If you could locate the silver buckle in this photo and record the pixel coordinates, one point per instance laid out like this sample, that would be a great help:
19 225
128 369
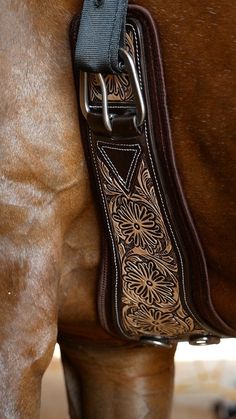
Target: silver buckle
129 65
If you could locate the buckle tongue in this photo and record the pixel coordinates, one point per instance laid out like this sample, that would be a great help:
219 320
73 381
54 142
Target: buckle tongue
129 66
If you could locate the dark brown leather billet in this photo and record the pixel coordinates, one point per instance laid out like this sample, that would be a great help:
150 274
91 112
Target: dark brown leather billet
154 282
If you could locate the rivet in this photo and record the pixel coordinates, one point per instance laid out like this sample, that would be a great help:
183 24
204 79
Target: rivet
203 340
98 3
156 341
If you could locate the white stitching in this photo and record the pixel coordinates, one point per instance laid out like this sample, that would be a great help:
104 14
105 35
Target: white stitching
133 164
110 232
158 187
162 202
161 199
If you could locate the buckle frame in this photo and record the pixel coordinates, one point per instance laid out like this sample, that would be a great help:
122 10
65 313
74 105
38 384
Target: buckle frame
129 66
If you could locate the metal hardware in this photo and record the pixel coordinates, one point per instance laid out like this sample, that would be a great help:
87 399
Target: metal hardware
105 112
156 341
202 340
84 101
84 98
134 80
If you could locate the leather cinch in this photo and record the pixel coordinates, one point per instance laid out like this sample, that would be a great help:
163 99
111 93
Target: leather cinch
153 285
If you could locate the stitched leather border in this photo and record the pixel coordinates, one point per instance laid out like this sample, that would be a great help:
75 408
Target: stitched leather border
162 168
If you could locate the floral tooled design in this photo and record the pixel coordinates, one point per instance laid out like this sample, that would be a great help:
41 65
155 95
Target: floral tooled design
147 263
153 321
137 223
148 283
151 303
118 86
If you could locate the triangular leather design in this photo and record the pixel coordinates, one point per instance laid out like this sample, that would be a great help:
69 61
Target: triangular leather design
122 160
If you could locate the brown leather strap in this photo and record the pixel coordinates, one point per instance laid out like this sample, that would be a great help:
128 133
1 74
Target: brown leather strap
154 266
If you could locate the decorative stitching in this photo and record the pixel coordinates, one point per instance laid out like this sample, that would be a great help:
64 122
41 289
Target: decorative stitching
136 148
153 168
158 186
111 236
159 193
148 264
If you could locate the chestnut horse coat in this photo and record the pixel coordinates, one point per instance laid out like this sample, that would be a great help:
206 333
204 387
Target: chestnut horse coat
49 235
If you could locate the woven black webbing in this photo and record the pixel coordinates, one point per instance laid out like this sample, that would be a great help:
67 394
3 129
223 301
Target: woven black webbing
101 34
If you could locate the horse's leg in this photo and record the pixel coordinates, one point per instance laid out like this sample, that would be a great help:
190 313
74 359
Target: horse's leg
105 378
105 382
28 309
38 177
73 386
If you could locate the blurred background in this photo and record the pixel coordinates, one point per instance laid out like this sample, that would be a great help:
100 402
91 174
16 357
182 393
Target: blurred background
205 377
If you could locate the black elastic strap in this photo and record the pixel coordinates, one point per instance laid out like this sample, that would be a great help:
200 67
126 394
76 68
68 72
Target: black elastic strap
101 34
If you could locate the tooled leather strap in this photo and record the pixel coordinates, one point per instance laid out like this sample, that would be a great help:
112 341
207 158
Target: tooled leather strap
152 258
100 35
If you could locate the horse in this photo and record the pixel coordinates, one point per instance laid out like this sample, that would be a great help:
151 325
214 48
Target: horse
50 234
